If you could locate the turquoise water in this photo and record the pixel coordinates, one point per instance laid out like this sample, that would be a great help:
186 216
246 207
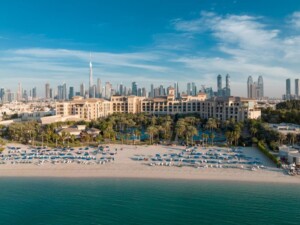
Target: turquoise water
117 201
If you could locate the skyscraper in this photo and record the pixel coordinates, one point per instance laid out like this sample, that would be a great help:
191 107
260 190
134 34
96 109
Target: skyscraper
177 92
34 94
194 89
19 93
156 92
10 96
219 84
288 89
297 87
134 88
260 87
82 90
162 91
47 91
125 90
152 91
144 92
25 96
2 94
227 88
250 87
139 92
99 89
188 89
64 91
108 88
93 91
51 93
60 92
121 89
91 77
71 93
255 89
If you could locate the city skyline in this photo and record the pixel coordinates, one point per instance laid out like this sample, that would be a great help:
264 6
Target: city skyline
65 91
191 42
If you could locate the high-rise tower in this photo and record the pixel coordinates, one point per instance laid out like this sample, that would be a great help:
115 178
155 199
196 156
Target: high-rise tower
288 88
91 77
82 90
47 91
19 93
227 88
99 88
260 87
219 84
297 87
134 88
250 87
188 89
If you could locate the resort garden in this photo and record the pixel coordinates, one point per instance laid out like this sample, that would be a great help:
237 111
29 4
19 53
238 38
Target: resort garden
150 129
129 129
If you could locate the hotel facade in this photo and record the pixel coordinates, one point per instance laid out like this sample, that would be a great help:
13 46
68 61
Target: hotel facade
222 108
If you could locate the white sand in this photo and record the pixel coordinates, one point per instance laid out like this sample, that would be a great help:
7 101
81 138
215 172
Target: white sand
125 167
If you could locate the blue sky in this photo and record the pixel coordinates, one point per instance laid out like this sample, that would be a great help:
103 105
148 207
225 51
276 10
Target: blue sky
157 41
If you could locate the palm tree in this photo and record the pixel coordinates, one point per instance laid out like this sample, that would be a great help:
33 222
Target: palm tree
282 137
229 137
151 131
180 128
291 137
211 124
72 138
137 134
56 138
226 124
166 128
212 136
203 138
127 135
236 136
206 138
191 120
153 121
253 131
190 131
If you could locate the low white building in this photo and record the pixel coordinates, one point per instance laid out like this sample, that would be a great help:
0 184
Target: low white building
286 128
70 131
284 151
294 158
59 118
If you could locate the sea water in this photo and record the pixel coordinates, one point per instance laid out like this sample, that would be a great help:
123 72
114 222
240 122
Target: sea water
34 201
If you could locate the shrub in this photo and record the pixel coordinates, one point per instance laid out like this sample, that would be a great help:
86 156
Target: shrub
263 149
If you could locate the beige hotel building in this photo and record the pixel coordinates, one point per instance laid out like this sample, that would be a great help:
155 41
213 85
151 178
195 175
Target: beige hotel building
237 108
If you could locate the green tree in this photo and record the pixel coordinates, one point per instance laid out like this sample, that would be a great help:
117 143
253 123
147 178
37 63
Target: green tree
282 138
211 124
152 131
212 137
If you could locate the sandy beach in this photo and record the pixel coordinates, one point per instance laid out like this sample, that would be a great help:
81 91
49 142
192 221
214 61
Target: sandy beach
125 167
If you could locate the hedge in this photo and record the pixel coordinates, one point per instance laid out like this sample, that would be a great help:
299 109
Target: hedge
263 149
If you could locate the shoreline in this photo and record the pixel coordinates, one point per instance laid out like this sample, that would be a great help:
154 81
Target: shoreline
184 174
125 168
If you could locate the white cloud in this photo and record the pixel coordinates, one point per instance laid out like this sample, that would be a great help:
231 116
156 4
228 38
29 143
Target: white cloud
242 45
72 66
245 45
294 20
135 60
